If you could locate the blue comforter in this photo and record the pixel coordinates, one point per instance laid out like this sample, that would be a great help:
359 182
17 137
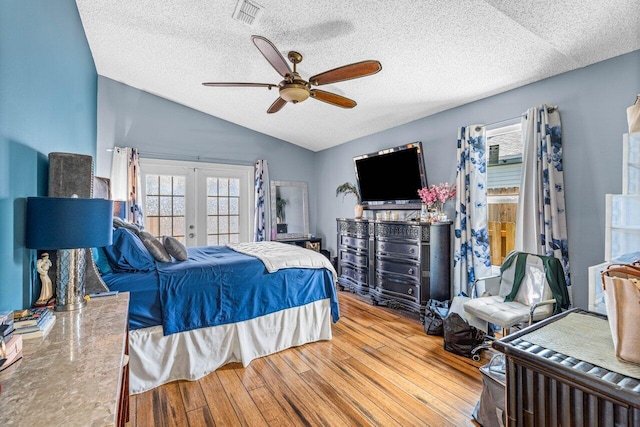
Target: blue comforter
217 285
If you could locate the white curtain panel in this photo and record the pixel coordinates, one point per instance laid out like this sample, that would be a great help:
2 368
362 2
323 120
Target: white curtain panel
261 211
541 224
119 174
471 244
135 215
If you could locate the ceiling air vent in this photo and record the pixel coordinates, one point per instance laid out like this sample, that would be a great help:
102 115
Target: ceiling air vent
248 12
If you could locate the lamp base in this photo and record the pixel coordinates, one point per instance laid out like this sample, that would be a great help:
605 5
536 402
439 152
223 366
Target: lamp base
70 307
70 280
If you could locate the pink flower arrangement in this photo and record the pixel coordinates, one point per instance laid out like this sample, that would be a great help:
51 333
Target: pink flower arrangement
437 194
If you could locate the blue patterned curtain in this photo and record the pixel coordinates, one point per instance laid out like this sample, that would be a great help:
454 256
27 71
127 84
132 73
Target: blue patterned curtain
471 245
541 225
260 232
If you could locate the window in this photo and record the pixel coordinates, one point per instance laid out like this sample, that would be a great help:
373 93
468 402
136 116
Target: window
504 168
223 214
198 203
164 206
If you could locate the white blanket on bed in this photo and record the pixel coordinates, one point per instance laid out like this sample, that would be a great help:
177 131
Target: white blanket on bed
277 255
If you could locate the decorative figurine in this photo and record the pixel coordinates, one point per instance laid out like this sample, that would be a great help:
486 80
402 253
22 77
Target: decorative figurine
43 265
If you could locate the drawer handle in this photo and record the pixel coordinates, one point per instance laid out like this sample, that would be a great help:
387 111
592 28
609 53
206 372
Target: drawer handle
381 246
410 291
411 271
412 250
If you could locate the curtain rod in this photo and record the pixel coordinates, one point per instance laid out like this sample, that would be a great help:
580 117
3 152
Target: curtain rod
166 156
502 121
550 109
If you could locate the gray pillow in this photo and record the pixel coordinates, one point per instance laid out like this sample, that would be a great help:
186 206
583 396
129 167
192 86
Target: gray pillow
120 223
175 248
154 247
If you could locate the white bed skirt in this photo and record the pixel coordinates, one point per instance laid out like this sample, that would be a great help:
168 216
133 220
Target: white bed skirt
156 359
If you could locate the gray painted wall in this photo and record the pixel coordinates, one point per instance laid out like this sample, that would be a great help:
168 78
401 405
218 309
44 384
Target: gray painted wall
159 128
592 103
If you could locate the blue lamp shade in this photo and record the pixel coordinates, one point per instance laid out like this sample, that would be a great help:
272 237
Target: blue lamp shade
68 223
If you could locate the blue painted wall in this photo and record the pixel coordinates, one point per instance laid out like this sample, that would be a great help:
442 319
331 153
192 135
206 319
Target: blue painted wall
592 102
128 117
48 90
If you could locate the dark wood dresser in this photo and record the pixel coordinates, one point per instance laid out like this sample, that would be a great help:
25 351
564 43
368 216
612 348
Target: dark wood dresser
400 264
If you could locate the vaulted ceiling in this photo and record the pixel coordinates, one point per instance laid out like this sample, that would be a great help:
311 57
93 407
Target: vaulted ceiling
435 54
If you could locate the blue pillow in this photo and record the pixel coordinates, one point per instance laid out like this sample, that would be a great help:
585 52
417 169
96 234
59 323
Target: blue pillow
100 258
128 253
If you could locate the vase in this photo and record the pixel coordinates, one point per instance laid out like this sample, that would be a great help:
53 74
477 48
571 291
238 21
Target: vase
424 212
357 211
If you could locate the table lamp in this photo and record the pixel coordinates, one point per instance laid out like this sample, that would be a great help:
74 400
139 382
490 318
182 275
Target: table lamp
69 225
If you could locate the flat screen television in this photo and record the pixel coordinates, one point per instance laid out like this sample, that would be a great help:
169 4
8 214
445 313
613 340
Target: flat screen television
391 178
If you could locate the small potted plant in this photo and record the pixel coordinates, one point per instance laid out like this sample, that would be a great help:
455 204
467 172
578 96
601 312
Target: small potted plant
349 188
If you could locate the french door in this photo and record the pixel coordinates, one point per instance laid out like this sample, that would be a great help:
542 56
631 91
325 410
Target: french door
201 204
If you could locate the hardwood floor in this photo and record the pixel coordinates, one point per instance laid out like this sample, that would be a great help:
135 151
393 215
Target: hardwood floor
380 368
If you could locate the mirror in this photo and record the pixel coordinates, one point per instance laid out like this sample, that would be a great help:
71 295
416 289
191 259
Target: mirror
289 210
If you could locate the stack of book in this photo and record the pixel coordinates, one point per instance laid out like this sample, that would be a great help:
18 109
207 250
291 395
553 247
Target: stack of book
33 322
10 343
6 325
12 352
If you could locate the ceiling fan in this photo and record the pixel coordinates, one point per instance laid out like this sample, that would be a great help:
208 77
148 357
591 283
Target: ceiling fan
293 88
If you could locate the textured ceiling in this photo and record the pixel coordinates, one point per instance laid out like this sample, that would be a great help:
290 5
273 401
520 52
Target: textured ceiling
435 54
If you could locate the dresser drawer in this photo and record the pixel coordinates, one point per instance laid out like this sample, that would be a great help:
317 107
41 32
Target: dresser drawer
407 290
354 274
355 242
411 271
404 249
354 258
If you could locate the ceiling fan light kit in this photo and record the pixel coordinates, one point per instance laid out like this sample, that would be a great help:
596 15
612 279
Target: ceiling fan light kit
293 88
294 92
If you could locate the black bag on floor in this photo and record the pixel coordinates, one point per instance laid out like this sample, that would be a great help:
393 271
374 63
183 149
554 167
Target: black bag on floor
434 313
459 336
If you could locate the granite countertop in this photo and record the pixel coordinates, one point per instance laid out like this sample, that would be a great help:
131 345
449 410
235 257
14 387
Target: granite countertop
71 377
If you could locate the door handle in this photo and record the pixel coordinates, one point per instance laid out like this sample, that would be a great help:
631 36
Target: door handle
192 235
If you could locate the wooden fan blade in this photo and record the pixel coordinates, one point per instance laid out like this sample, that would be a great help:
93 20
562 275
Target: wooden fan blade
276 106
271 54
346 72
332 98
231 84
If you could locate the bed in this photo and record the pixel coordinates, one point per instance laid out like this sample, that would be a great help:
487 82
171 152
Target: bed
223 304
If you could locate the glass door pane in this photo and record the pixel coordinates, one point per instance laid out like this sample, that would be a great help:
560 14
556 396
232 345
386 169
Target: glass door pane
164 205
223 215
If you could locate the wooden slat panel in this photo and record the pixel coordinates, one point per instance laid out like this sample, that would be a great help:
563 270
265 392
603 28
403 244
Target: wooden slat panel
510 237
495 243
